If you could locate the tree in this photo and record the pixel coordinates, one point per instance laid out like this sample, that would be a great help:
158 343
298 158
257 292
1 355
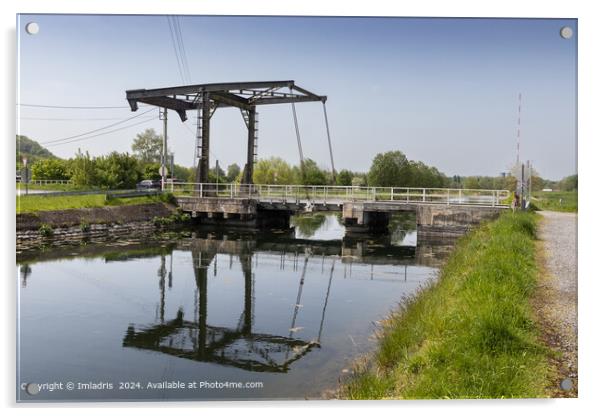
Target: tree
358 181
233 171
148 146
570 183
389 169
312 174
49 169
118 171
82 169
151 171
273 171
213 177
472 182
344 178
184 174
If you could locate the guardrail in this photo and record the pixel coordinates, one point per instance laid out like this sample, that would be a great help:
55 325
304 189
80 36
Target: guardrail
339 194
110 194
45 182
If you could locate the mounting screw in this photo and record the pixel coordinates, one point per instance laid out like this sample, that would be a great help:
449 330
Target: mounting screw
32 28
566 32
566 384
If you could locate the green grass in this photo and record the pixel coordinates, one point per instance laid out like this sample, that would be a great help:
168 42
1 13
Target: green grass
472 333
556 201
36 203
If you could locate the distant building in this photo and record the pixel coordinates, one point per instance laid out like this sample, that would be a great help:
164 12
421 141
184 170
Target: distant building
547 190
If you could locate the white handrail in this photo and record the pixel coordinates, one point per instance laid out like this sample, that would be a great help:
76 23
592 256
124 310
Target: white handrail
340 194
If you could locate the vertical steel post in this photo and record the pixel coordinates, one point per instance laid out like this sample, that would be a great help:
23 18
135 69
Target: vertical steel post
522 186
248 177
164 152
203 166
172 169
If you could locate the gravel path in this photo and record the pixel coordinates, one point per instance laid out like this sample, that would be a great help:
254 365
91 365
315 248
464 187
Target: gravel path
558 300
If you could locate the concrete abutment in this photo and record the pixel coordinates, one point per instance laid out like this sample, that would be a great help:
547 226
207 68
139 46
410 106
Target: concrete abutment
433 221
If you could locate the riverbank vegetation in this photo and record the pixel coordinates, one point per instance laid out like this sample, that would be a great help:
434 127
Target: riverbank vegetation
124 170
564 201
472 333
41 202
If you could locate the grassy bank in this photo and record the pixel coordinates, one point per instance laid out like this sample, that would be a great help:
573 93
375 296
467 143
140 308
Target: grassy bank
471 334
36 203
53 187
556 201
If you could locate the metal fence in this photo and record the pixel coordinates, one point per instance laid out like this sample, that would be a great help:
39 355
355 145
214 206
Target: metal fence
340 194
46 182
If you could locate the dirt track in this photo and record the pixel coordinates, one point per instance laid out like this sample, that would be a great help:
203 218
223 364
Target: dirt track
557 296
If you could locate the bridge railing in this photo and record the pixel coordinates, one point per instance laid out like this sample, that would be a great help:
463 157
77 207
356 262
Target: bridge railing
339 194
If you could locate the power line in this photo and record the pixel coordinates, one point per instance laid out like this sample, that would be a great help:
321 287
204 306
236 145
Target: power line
183 55
71 119
72 107
177 40
173 44
98 129
101 134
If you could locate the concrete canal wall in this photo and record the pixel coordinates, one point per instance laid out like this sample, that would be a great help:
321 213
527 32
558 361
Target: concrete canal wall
66 226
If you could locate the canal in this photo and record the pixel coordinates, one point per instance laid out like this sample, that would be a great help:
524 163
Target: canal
211 314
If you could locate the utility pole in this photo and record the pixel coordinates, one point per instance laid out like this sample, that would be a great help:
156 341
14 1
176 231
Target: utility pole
164 153
171 167
522 186
25 176
217 175
530 178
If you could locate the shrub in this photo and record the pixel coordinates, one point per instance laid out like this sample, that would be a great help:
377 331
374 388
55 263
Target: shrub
46 230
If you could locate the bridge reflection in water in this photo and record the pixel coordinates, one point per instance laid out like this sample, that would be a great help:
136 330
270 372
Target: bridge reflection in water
240 346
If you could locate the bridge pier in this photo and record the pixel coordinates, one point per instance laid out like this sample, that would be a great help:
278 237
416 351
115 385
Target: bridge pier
235 212
434 222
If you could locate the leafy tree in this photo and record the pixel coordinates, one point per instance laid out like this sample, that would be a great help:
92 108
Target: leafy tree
147 146
151 171
389 169
359 180
570 183
82 169
456 181
50 169
344 178
312 174
472 182
233 171
273 171
213 176
118 171
184 174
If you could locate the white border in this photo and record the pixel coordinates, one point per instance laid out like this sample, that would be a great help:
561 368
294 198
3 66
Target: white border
589 151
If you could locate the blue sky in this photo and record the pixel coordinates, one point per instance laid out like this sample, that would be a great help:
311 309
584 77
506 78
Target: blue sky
443 91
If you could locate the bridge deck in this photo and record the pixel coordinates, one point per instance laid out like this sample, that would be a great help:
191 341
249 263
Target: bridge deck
333 197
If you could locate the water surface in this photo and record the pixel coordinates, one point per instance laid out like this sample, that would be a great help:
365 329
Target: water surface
288 311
